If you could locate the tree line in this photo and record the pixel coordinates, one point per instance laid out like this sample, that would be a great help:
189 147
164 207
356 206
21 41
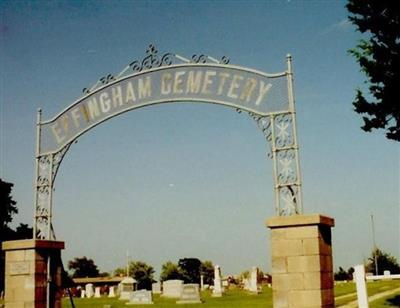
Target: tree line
187 269
378 259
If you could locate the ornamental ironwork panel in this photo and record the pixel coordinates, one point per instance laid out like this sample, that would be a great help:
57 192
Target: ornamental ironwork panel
267 98
213 83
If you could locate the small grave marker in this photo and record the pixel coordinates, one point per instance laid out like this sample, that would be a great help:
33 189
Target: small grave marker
141 297
190 294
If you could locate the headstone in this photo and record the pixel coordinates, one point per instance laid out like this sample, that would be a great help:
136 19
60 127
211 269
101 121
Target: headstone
89 290
202 282
217 291
83 293
97 292
386 273
253 280
246 284
172 288
362 295
126 288
111 292
156 288
190 294
141 297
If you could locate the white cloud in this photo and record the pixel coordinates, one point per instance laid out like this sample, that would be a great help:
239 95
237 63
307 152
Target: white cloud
341 25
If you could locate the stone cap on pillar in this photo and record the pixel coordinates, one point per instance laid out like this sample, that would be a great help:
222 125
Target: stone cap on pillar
299 220
32 244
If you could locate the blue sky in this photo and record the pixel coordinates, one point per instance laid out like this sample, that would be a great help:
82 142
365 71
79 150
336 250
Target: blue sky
192 180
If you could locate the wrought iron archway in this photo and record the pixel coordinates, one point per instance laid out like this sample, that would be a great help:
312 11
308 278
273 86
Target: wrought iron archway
267 98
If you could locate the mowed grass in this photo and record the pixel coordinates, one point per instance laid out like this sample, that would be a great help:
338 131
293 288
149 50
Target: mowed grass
239 298
373 287
232 298
387 301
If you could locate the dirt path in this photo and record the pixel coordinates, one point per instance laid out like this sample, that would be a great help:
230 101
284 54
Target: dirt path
354 304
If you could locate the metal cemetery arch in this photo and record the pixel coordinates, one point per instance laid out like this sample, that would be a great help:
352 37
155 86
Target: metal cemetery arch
267 98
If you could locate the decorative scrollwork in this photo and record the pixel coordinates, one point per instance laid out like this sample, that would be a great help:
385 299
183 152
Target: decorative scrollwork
107 79
57 159
41 227
44 162
288 196
42 181
224 60
264 123
199 58
152 60
286 167
43 194
204 59
102 81
41 211
85 91
284 130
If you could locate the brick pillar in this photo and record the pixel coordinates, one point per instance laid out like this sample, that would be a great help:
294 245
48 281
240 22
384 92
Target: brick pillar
26 273
302 271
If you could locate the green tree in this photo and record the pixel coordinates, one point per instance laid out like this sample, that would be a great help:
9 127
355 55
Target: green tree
23 231
190 268
379 59
341 274
7 210
207 270
170 270
83 267
386 262
143 273
120 271
7 207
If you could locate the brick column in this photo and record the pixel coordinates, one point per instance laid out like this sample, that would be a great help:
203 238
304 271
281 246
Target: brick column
26 273
302 271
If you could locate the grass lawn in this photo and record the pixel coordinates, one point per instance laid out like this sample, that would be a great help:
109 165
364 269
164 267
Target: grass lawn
238 298
232 298
373 288
388 301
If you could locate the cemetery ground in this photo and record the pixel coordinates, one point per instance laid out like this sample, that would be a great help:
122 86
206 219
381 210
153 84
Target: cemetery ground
345 293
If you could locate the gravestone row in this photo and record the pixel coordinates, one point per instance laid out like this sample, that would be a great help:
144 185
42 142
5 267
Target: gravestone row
185 293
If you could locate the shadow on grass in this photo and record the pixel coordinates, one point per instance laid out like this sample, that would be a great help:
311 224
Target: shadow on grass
394 301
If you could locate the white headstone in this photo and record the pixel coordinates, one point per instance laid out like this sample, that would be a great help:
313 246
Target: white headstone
83 293
172 288
141 297
217 291
359 276
111 292
156 288
253 280
246 284
190 294
126 288
89 290
386 273
202 282
97 292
